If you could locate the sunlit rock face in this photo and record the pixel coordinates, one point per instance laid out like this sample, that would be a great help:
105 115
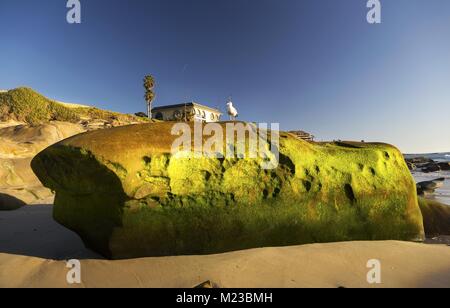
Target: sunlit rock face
19 143
127 196
30 122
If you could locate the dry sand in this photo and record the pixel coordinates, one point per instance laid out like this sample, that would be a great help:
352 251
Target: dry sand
29 240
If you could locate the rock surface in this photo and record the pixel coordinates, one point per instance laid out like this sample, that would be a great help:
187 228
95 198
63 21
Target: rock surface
444 166
426 165
18 145
126 196
431 167
436 217
429 186
420 160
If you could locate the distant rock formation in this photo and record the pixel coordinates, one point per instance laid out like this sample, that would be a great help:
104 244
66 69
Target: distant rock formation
426 165
124 193
302 135
19 144
431 167
444 166
429 186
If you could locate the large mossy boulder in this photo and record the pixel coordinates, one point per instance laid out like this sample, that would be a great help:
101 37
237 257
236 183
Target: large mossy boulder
124 193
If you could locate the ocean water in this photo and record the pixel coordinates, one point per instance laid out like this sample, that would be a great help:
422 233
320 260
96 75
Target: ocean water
437 157
443 194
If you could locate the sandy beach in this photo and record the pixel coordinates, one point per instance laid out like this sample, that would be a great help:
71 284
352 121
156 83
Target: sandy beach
260 145
33 250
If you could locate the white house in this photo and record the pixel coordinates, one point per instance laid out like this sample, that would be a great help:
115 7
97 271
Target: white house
187 112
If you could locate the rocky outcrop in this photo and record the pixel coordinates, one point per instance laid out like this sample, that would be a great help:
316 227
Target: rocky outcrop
429 186
426 165
419 160
444 166
431 167
302 135
19 144
436 217
411 166
124 193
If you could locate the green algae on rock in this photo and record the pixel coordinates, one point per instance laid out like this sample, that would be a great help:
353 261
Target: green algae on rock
124 193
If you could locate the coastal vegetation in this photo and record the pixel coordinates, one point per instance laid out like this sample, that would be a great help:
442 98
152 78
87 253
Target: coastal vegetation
27 106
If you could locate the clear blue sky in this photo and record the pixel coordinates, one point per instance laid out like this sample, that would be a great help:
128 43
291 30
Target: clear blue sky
315 65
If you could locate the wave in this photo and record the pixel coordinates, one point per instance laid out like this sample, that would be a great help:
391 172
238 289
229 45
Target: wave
438 157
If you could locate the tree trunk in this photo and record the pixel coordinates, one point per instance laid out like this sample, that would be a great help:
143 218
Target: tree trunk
149 110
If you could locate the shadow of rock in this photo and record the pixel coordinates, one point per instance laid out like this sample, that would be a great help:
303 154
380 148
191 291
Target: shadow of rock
10 203
31 231
435 279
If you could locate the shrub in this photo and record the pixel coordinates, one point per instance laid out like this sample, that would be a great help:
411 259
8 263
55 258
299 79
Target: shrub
26 105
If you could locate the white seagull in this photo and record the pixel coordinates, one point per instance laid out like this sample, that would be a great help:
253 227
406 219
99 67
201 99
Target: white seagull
232 112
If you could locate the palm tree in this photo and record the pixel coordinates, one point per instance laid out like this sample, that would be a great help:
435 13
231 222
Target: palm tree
149 84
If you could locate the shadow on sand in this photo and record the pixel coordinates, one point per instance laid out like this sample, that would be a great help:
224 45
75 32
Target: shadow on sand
10 203
31 231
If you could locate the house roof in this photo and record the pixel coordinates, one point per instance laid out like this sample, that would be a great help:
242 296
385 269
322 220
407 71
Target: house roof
190 104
